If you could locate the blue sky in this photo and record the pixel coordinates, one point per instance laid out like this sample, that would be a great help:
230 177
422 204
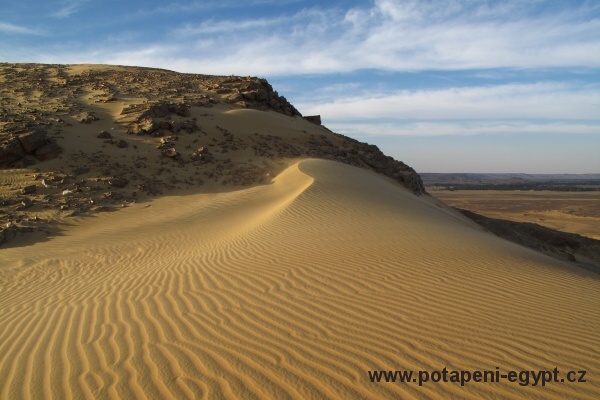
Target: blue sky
445 86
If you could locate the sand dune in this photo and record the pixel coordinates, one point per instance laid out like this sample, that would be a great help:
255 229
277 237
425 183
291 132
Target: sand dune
289 290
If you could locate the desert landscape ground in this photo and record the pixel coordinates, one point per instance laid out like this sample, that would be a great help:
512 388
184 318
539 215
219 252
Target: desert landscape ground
575 212
176 236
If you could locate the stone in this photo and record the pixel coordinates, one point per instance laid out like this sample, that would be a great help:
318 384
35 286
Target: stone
187 125
88 118
181 109
170 153
159 110
11 151
32 141
168 139
26 202
202 154
148 126
29 189
118 181
121 144
104 135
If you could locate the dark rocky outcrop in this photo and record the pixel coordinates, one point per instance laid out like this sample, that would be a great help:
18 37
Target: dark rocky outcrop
352 152
164 109
315 119
255 93
11 231
32 141
562 245
35 143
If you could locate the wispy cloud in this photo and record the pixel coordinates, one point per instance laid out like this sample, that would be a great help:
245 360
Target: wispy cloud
384 35
510 101
212 27
460 128
407 36
68 8
16 29
544 108
192 6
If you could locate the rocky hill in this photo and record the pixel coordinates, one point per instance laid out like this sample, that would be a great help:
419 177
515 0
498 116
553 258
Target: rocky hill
83 138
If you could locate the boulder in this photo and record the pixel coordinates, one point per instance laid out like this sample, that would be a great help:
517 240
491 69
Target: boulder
121 144
118 181
36 143
26 202
181 109
29 189
159 110
170 153
11 151
148 126
88 118
104 135
187 125
32 141
202 154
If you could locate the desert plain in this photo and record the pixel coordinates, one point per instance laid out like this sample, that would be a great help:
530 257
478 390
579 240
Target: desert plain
213 243
574 212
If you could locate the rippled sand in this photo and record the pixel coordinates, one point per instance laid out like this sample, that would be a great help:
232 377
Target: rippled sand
290 290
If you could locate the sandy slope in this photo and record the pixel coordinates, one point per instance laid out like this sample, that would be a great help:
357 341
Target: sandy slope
289 290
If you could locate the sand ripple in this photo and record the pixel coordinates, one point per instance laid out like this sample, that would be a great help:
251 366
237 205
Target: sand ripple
291 290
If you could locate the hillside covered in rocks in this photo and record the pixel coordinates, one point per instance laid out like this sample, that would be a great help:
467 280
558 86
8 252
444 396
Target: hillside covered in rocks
86 138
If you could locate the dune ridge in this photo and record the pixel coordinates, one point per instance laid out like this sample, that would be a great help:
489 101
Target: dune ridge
83 139
289 290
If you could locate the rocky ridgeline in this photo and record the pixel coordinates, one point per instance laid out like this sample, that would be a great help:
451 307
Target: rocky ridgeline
43 104
345 150
254 93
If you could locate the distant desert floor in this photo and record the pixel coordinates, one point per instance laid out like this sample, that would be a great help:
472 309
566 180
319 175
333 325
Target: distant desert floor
294 289
574 212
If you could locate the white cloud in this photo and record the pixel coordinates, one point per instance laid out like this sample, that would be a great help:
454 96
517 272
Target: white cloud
459 128
212 27
16 29
405 36
204 5
509 101
68 8
387 35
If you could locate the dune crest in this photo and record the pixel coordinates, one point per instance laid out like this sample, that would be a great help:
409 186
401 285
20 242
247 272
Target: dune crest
293 289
